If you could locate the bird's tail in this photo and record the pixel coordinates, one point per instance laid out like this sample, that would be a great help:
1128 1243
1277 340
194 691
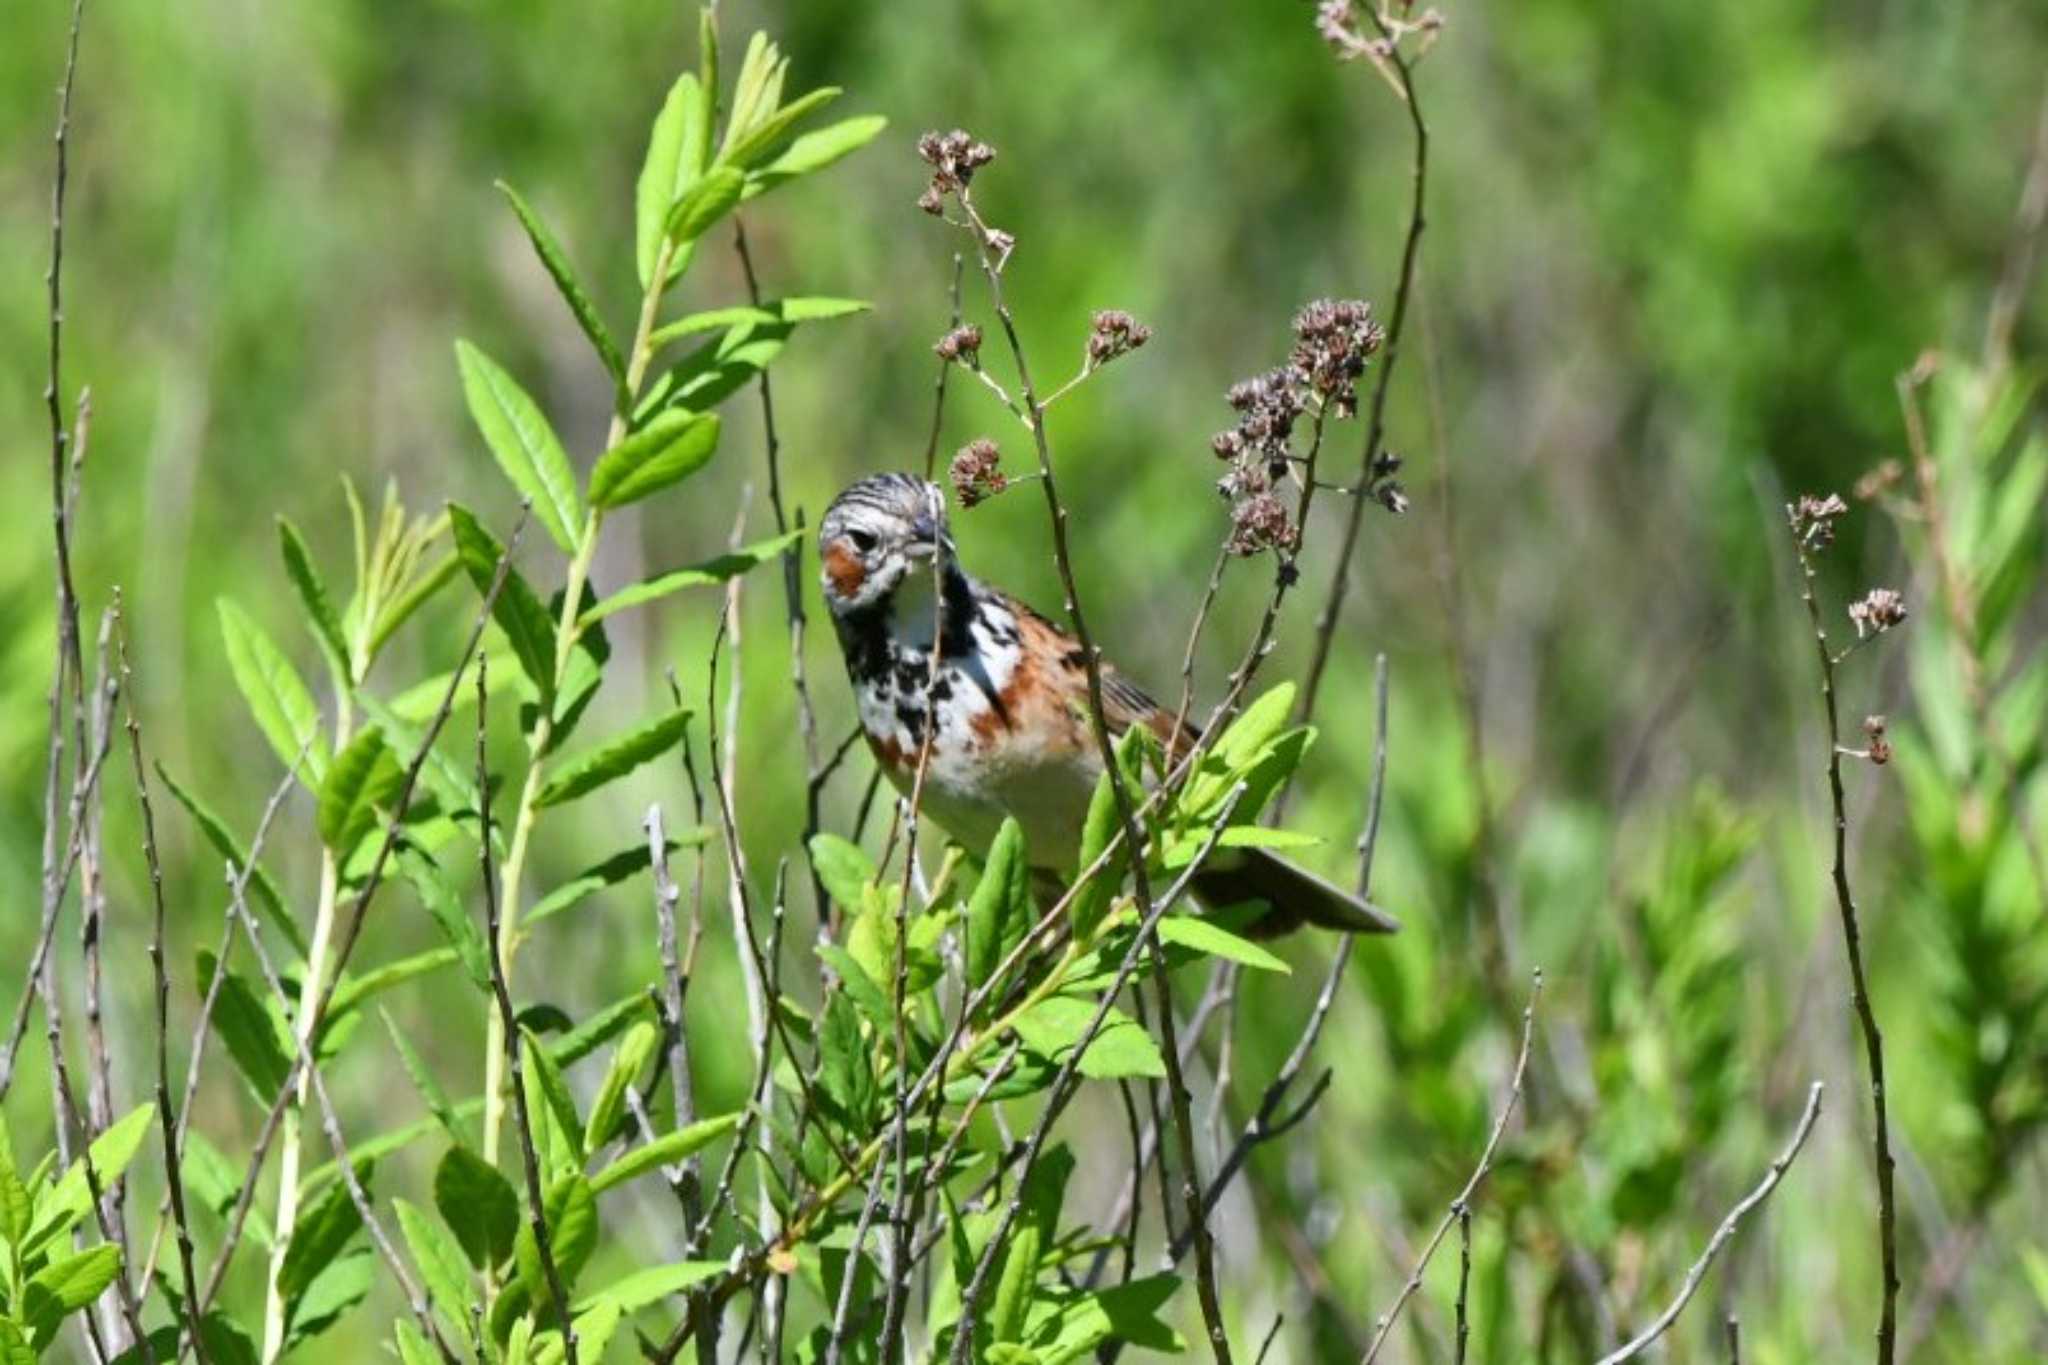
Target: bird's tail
1295 896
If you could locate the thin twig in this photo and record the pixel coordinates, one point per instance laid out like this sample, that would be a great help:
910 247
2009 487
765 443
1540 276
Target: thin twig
1852 941
1463 1202
536 1196
1722 1234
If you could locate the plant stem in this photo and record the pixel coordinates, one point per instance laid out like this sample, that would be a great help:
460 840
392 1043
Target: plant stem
306 1013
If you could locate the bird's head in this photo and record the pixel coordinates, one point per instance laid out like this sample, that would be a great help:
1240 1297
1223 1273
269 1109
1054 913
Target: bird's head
875 534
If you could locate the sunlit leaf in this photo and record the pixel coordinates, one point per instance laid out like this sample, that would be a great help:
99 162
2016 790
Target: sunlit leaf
673 445
523 443
708 574
665 1150
277 697
588 772
564 275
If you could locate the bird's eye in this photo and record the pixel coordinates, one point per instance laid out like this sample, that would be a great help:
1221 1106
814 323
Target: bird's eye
863 541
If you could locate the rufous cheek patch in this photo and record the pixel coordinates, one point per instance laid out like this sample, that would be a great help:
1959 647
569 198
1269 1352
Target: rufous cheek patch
843 569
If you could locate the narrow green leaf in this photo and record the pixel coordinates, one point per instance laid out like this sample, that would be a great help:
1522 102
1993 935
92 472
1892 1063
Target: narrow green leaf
665 1150
215 1183
1255 725
65 1286
356 989
564 275
478 1205
706 200
277 698
708 574
523 444
323 1231
672 446
442 1266
1103 823
586 773
542 1074
675 157
610 1102
752 96
627 862
449 916
416 595
362 776
268 898
846 1069
572 1235
854 979
1120 1048
339 1286
772 133
645 1288
1000 910
814 151
519 612
598 1029
771 313
1191 931
319 607
255 1039
594 1330
422 1077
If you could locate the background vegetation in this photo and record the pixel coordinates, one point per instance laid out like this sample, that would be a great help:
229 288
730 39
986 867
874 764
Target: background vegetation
1677 256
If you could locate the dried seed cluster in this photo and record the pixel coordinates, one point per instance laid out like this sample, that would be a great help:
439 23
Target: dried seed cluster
1877 611
1334 339
1114 333
974 473
1813 519
954 158
963 344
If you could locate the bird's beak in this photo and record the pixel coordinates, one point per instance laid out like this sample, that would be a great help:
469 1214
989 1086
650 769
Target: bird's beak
926 539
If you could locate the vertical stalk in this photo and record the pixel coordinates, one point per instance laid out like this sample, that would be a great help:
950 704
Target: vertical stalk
310 989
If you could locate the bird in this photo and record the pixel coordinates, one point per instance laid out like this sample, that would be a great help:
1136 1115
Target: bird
1008 704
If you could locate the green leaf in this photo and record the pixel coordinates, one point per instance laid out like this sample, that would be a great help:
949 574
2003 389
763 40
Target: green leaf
706 200
814 151
1255 726
627 862
518 610
1191 931
216 1183
1182 848
1127 1312
771 133
665 1150
846 1069
564 275
844 867
716 370
1103 824
757 89
417 593
257 1042
523 443
319 607
268 898
586 773
70 1198
770 313
672 446
344 1283
1120 1048
354 991
610 1102
594 1330
323 1231
559 1106
15 1348
17 1210
1000 911
277 698
598 1029
675 157
572 1235
1013 1285
422 1077
645 1288
708 574
478 1205
443 1269
362 777
448 914
854 979
63 1287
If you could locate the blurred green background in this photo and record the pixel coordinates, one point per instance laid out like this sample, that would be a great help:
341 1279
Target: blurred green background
1676 255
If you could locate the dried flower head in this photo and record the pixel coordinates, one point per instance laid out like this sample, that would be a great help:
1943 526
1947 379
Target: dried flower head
1877 611
1391 496
963 343
1259 523
975 475
1337 26
1333 338
1813 519
1114 333
954 158
1877 748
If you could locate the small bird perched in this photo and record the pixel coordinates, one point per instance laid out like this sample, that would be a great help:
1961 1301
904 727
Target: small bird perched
1009 704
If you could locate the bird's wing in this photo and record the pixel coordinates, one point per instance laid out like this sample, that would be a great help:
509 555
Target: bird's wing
1124 703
